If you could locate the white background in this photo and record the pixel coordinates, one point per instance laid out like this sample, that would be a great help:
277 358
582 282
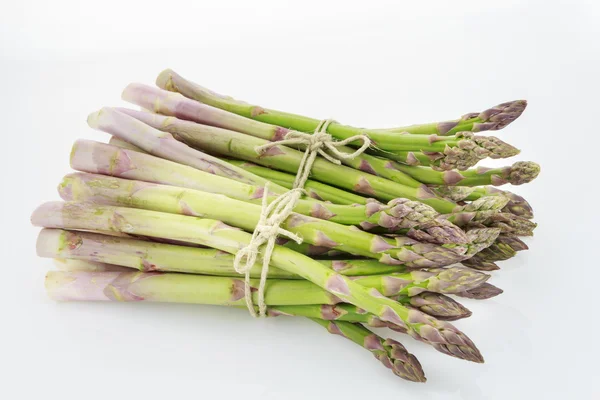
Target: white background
367 63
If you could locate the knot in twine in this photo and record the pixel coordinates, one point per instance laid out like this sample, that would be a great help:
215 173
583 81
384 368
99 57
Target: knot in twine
273 215
266 232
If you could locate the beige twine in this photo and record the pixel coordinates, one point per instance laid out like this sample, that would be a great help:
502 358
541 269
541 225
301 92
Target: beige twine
274 214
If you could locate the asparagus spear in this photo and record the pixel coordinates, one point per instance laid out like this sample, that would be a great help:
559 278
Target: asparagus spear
114 191
435 304
152 256
519 173
492 119
464 143
128 253
441 335
399 215
241 146
391 353
450 281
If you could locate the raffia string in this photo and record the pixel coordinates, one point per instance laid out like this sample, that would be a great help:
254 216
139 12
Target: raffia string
273 215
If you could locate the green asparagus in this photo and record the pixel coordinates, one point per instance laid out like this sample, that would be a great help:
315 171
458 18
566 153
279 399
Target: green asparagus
81 216
492 119
115 191
468 146
398 215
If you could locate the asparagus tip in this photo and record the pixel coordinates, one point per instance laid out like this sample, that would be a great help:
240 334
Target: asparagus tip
500 116
482 292
480 264
440 306
494 147
402 363
482 238
455 279
523 172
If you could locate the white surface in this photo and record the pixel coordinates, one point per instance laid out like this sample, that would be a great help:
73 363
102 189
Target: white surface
366 63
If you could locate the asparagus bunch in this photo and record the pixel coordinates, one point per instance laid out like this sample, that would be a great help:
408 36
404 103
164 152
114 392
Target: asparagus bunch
160 213
443 336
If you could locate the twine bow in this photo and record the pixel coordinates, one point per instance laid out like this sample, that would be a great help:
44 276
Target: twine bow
273 215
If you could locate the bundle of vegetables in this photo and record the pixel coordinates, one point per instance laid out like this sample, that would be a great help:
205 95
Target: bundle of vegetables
159 213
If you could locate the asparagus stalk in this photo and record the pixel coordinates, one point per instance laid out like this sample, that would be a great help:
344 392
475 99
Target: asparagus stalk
441 335
492 119
100 189
519 173
435 304
464 143
391 353
399 215
451 281
241 146
144 255
128 253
